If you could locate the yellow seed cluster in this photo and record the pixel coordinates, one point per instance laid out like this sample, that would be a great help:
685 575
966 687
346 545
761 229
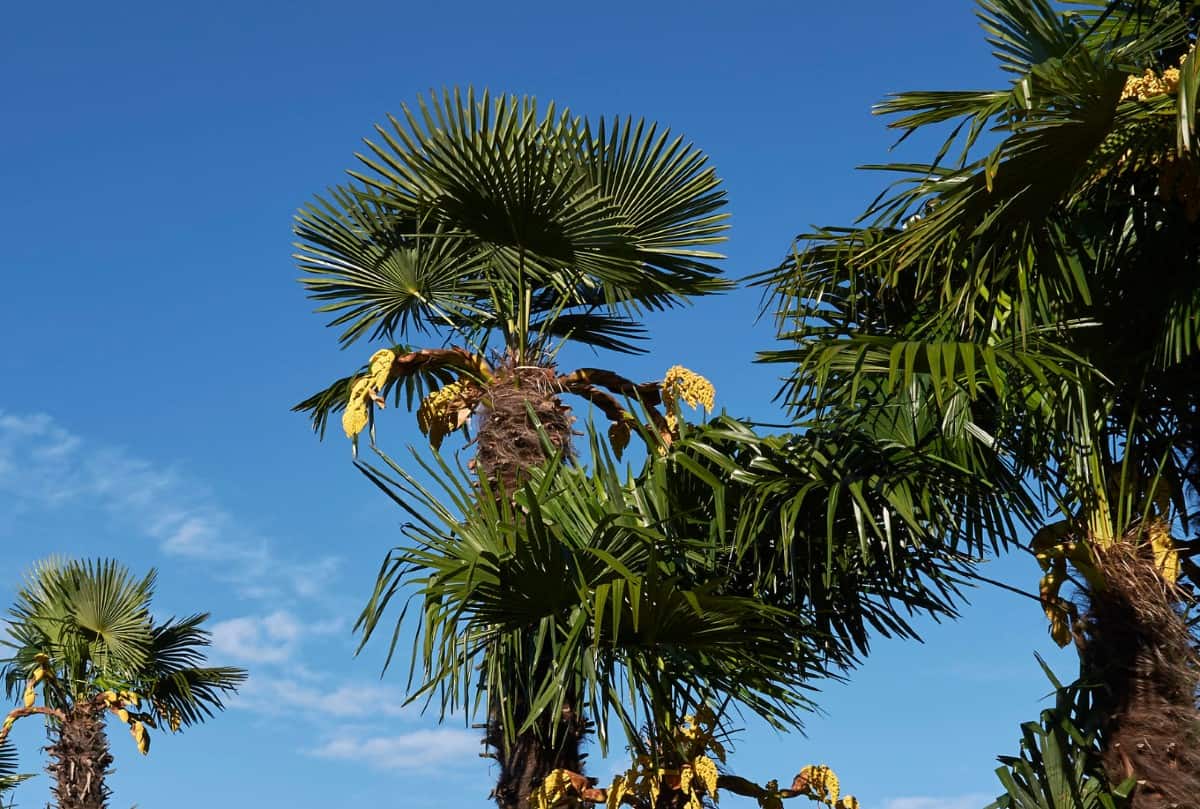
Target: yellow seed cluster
444 411
365 390
380 367
697 775
141 737
555 790
819 782
689 386
174 718
357 411
1054 607
618 435
42 672
1150 84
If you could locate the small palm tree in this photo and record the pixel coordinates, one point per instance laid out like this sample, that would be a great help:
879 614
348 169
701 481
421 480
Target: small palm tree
83 635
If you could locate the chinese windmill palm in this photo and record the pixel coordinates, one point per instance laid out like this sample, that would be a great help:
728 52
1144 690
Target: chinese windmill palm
85 647
1038 280
500 232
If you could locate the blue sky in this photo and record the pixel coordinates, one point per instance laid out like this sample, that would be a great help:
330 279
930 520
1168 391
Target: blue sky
154 338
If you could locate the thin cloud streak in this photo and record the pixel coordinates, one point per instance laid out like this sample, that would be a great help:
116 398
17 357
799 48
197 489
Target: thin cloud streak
974 800
44 465
406 751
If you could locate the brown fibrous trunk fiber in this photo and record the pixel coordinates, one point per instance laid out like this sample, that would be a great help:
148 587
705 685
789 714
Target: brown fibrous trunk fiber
79 758
1137 647
520 399
522 424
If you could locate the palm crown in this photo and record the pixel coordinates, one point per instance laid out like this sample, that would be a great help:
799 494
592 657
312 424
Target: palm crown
478 218
82 632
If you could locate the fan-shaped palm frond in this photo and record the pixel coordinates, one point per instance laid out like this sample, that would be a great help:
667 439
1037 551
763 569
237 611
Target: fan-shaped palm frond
181 689
467 199
1046 287
572 591
735 567
480 216
9 777
84 616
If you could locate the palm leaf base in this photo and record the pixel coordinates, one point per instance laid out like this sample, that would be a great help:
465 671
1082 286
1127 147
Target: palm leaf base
79 758
1136 644
521 410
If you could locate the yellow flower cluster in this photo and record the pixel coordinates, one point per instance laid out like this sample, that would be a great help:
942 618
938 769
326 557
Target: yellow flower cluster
557 789
365 390
174 717
444 411
116 701
819 782
691 783
680 383
697 775
1166 555
1151 84
688 386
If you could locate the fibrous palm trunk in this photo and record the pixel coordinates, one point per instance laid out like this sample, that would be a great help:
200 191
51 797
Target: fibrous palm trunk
1138 649
522 422
520 400
79 758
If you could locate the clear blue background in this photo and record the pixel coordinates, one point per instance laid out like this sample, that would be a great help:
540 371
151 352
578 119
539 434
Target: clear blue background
153 338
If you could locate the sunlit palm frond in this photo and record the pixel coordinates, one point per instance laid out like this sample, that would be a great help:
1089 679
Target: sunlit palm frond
85 616
670 202
572 591
478 213
180 688
734 567
92 622
382 273
9 777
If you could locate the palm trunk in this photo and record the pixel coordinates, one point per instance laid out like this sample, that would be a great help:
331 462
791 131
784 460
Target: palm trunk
521 413
79 758
508 442
1138 647
528 759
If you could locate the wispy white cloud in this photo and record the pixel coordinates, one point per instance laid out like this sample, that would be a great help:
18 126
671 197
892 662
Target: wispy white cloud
271 638
405 751
973 800
42 464
313 697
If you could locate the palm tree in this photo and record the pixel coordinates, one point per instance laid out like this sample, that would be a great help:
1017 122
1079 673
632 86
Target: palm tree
83 634
503 232
1042 295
